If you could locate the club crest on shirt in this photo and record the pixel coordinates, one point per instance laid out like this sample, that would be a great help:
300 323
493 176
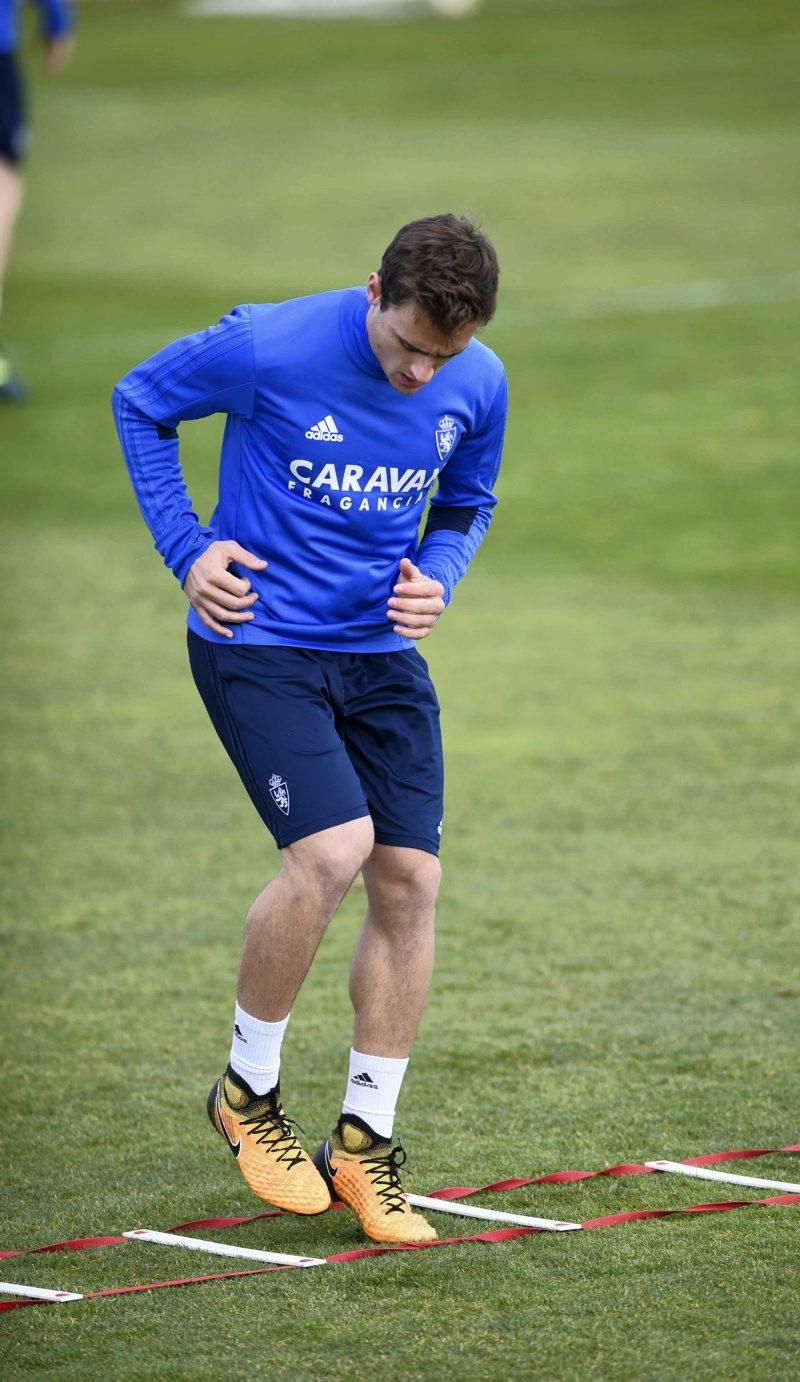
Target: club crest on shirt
446 434
279 792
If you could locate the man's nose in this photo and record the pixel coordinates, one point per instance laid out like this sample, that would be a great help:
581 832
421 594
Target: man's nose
422 369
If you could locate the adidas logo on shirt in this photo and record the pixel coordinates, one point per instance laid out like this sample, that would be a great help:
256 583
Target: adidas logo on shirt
326 430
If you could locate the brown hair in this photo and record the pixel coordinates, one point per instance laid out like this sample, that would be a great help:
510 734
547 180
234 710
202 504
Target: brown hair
446 266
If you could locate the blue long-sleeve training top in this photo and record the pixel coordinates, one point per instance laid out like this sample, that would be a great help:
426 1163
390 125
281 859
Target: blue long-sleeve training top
325 468
57 20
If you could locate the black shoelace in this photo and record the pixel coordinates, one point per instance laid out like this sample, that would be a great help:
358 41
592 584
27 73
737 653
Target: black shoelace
385 1173
273 1128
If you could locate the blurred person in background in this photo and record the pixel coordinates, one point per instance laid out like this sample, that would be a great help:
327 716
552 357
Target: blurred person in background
344 409
57 22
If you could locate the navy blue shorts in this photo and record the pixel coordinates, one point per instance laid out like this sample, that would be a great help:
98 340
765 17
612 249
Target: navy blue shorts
323 738
13 130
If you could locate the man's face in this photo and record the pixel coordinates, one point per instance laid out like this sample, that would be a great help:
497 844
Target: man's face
408 345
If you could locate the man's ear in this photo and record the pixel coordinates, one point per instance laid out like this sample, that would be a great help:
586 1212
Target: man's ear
374 289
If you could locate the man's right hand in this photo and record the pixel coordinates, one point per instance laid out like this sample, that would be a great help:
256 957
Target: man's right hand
218 596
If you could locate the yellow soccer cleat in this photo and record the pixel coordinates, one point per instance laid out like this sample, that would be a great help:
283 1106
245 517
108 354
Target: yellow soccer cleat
269 1155
364 1173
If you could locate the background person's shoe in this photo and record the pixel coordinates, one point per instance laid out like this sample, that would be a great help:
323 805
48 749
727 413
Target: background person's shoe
364 1173
12 390
270 1158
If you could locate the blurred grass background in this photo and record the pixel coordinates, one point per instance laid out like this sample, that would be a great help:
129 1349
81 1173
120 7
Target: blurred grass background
618 971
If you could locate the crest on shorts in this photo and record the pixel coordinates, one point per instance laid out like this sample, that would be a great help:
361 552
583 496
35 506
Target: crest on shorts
279 792
446 434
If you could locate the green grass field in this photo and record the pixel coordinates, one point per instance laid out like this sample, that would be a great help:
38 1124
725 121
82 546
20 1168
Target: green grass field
618 973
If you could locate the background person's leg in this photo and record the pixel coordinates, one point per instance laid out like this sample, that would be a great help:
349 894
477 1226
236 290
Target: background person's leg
10 203
13 138
10 206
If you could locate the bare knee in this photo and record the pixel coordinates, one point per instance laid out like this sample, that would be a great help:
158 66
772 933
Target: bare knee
329 861
403 878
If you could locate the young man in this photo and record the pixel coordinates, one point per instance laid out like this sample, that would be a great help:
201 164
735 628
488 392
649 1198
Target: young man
56 29
308 591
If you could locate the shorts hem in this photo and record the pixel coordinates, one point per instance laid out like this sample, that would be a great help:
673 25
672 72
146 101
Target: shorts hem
301 832
383 837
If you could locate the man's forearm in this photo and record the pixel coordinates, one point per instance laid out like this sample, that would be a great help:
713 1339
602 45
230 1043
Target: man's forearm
151 455
451 539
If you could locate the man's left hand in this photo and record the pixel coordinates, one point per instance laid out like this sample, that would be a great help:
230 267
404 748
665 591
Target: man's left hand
417 602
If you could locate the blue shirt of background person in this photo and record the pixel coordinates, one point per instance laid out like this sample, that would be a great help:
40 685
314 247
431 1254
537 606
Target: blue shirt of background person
56 16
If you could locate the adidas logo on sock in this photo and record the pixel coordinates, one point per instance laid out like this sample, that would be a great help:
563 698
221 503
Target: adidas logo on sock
326 430
364 1081
237 1031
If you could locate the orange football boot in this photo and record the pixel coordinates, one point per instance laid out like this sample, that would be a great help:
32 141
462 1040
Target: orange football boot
364 1173
269 1155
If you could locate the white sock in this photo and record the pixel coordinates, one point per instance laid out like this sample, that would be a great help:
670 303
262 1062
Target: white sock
256 1050
373 1086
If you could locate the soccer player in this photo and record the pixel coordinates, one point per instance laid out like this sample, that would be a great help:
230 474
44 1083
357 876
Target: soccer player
56 22
309 590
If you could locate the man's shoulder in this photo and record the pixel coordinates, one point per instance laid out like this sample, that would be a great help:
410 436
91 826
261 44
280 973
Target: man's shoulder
482 361
478 376
296 327
275 314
